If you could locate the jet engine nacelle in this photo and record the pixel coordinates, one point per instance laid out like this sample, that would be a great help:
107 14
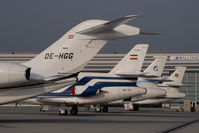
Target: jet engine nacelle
13 73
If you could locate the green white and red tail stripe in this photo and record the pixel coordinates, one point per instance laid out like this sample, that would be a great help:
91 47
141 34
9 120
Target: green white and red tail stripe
133 57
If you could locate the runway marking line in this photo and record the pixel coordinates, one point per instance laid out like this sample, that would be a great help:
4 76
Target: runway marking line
179 127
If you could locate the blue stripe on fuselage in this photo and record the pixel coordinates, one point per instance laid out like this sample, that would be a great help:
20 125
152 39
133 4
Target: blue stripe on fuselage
84 81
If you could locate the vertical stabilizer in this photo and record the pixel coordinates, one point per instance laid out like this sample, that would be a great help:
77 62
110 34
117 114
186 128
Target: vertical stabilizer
133 61
72 51
153 70
156 67
176 77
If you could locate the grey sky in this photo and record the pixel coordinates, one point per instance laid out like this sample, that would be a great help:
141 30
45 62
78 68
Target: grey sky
32 25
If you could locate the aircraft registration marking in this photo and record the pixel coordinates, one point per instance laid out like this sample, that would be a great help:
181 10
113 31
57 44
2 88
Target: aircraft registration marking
58 56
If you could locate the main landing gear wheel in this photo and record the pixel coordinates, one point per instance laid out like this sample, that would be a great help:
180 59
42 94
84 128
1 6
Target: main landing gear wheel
74 110
44 108
98 109
105 109
63 112
135 107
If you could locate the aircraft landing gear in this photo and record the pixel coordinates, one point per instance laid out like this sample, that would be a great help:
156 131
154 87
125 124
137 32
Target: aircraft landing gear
105 109
128 106
44 108
135 107
101 109
98 109
63 112
74 110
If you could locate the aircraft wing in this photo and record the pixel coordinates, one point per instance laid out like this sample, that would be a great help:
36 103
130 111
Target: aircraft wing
46 101
14 94
108 25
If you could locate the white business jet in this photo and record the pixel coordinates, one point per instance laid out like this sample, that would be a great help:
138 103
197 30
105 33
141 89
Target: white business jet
58 65
99 88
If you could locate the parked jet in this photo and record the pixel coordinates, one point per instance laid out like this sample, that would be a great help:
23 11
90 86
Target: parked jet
58 65
149 81
96 88
171 87
156 93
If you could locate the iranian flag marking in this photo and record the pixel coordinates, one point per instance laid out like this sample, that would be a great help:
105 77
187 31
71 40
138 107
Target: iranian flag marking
133 57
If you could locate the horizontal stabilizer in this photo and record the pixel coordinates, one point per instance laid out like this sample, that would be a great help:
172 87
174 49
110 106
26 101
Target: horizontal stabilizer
172 85
149 76
149 33
160 79
107 25
132 74
175 85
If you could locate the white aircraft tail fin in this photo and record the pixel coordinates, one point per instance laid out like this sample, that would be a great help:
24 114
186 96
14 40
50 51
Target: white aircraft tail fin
156 67
177 77
132 62
152 71
64 57
73 50
58 65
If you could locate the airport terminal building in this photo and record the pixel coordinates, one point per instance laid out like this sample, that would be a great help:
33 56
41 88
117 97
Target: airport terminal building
105 62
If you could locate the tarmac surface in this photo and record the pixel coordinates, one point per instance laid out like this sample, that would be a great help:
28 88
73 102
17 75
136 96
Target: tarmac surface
28 119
